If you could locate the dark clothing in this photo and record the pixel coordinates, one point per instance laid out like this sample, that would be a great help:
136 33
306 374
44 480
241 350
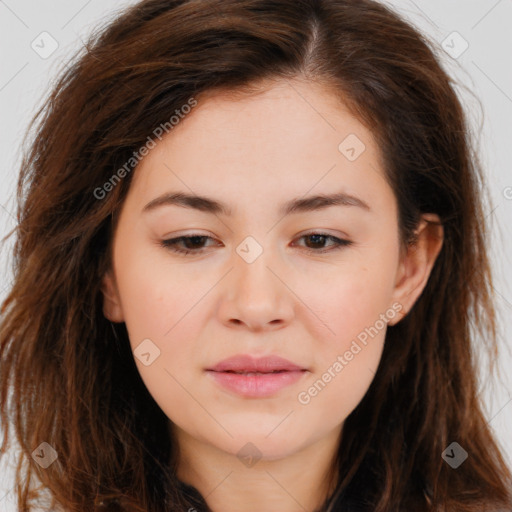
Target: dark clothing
340 503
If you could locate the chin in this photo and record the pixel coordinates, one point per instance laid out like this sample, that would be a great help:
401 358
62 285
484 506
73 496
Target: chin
260 445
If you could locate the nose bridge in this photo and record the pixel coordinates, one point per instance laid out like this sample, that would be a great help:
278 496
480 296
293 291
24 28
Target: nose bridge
251 270
255 295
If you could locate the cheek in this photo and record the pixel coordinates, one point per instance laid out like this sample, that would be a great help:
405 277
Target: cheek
351 300
157 298
355 308
162 308
339 387
162 304
346 362
357 318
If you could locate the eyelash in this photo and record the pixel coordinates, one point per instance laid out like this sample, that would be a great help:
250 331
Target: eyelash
171 243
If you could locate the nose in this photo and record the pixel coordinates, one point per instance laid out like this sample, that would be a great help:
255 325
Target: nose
255 294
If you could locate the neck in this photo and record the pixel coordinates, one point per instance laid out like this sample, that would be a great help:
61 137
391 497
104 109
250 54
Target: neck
301 481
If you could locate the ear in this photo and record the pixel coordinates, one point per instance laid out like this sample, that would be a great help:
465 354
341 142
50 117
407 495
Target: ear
111 304
416 264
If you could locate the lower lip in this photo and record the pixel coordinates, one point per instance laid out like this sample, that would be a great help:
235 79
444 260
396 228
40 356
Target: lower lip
258 385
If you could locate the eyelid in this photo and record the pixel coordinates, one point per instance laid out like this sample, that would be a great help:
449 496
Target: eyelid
324 232
339 243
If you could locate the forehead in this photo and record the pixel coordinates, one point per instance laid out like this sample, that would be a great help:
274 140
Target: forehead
286 138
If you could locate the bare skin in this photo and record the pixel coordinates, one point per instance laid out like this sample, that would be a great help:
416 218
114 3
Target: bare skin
255 154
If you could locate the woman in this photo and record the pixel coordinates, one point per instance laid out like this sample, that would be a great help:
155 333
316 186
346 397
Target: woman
170 342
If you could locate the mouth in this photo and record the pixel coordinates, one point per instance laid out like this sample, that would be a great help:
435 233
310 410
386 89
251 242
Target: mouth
248 377
249 372
245 363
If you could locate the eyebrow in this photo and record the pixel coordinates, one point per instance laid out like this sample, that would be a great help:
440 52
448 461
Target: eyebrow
298 205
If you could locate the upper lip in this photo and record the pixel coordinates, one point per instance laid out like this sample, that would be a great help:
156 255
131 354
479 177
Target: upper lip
247 363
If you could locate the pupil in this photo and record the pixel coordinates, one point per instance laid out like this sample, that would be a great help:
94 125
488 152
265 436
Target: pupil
317 238
193 240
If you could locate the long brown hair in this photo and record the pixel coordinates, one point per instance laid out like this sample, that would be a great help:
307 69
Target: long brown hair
68 377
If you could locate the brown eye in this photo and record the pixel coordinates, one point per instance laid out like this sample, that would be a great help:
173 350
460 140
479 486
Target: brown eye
318 240
193 244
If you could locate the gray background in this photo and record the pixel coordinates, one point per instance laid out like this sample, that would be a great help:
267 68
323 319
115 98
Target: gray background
484 67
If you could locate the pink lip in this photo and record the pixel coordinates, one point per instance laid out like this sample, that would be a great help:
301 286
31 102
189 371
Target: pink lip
257 381
247 363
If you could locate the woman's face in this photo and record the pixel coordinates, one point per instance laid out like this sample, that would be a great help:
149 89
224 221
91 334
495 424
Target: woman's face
263 276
